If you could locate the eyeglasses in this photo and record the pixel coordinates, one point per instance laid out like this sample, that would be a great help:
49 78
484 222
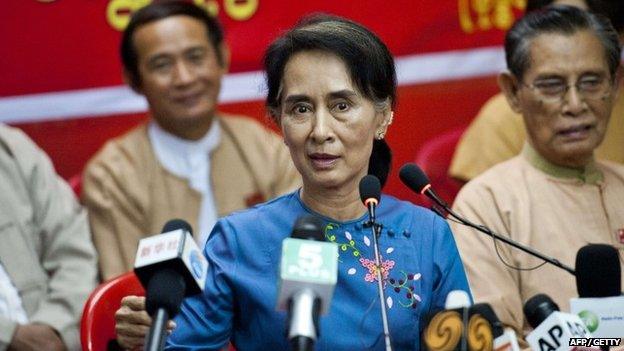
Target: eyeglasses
554 89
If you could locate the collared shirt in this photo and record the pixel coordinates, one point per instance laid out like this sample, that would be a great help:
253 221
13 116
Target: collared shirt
190 160
554 210
420 264
10 301
590 174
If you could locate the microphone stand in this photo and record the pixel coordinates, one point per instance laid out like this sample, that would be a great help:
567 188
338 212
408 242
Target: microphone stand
376 230
483 229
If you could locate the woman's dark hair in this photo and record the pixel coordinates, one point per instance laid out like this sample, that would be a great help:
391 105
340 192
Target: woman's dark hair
369 63
160 10
565 20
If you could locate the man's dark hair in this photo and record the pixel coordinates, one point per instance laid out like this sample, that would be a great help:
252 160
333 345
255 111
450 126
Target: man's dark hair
612 9
565 20
369 63
160 10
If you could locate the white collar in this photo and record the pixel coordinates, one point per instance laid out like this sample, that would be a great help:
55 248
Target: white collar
186 158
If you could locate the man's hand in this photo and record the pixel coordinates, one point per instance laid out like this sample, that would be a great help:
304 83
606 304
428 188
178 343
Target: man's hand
36 336
132 323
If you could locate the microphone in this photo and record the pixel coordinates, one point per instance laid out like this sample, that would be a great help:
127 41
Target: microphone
414 178
308 275
370 194
505 339
461 326
552 328
170 266
598 282
598 271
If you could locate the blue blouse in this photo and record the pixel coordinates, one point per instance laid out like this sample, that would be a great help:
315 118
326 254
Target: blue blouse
420 262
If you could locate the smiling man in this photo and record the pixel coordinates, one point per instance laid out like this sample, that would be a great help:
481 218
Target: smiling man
563 67
188 161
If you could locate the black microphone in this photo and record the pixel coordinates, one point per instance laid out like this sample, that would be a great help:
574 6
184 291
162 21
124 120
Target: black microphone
370 194
598 271
170 267
414 178
598 283
552 329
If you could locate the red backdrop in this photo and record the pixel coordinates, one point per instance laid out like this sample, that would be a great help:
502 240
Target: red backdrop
66 45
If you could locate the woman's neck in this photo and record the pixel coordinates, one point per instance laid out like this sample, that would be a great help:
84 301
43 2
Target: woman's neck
339 204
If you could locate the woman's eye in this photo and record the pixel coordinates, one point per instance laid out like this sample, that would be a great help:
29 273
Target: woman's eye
300 109
341 107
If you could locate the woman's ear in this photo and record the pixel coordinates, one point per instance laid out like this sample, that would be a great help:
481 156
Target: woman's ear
508 85
386 120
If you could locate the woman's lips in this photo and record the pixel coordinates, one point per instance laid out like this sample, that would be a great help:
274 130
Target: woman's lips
323 161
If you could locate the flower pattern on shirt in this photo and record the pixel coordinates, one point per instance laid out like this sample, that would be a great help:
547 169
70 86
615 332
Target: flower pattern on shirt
402 284
371 276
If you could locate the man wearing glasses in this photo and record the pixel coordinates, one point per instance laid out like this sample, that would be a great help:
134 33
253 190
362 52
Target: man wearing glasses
555 197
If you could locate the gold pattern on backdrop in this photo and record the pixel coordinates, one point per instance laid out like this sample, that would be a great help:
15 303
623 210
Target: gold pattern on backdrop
483 15
118 12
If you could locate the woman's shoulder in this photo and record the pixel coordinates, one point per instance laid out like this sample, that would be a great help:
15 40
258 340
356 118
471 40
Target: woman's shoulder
279 211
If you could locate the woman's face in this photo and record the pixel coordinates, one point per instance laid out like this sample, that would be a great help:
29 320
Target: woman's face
328 125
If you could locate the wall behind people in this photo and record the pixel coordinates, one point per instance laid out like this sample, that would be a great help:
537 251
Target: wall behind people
63 70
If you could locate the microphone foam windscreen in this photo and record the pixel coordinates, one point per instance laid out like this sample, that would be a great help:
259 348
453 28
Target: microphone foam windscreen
176 224
485 310
370 188
538 308
598 272
165 290
412 176
309 228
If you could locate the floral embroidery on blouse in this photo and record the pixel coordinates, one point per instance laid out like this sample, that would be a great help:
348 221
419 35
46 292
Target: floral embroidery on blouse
342 246
405 286
371 276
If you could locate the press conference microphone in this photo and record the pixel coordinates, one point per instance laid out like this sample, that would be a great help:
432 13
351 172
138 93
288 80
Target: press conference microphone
598 282
308 274
414 178
552 328
505 339
598 271
170 267
370 194
459 327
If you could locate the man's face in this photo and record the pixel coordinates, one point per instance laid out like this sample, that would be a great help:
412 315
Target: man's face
180 75
565 128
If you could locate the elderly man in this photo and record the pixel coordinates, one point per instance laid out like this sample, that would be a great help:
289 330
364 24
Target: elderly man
187 162
554 196
497 132
47 261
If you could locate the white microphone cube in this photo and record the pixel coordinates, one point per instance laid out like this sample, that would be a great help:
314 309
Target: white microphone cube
554 332
176 250
603 316
308 264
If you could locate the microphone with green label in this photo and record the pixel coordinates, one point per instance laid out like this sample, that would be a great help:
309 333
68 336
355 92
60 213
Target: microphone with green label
308 275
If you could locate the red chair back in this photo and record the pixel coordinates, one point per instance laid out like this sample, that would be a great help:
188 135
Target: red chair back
75 182
97 327
435 158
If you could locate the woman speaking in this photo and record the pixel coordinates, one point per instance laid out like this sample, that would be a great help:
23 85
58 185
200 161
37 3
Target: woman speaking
331 89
